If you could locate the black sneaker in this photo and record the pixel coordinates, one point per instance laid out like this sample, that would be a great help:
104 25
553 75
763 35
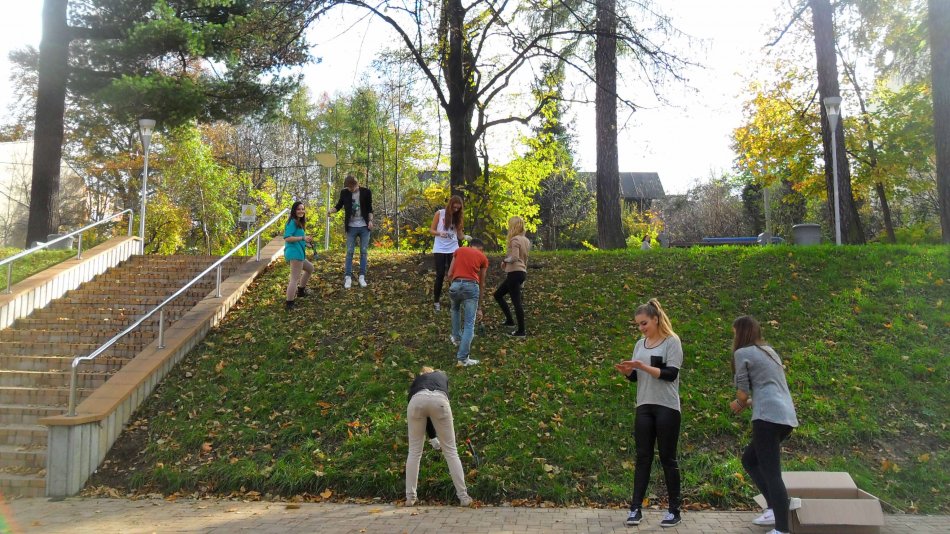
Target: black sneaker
634 518
671 520
518 334
290 305
302 292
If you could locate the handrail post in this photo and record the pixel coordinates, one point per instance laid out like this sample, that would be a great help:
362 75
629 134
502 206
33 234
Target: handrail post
217 275
9 277
258 256
161 328
79 248
131 216
73 375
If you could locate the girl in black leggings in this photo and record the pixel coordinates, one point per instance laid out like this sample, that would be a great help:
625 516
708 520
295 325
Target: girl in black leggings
515 265
657 359
758 369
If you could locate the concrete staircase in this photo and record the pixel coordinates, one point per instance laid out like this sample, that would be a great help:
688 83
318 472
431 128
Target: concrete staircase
37 351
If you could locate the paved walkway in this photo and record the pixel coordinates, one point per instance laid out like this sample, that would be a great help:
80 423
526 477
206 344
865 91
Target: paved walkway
102 516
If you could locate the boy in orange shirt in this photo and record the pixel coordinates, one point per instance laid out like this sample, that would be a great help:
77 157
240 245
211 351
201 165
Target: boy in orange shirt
467 283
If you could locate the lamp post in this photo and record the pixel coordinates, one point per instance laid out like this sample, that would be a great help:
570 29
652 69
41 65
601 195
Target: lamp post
327 161
145 133
833 110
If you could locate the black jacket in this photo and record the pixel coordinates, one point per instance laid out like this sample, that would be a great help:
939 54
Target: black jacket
346 202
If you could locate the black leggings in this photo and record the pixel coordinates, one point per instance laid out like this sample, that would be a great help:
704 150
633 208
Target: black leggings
442 262
762 459
512 284
661 425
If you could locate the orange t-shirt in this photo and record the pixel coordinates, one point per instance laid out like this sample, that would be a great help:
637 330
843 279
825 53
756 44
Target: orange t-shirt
468 263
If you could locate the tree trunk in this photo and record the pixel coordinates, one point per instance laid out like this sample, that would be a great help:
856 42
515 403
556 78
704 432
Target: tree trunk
822 20
609 226
48 132
939 23
457 69
886 211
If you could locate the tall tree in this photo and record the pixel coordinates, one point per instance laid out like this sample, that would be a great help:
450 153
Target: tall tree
609 226
826 57
939 25
145 56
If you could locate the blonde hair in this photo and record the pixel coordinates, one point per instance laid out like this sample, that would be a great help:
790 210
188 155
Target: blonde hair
515 226
426 370
653 310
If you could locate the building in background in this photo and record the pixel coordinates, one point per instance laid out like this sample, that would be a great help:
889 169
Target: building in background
637 189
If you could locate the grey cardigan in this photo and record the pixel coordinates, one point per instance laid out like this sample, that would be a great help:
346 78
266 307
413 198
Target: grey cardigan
760 373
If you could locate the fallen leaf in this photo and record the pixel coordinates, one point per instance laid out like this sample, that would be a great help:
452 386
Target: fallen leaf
326 494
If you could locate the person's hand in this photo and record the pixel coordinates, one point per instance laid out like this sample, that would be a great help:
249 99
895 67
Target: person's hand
308 239
637 364
369 225
736 406
479 314
467 237
330 211
446 234
625 367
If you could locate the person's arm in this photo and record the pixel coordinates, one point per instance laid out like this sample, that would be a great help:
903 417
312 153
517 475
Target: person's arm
741 402
742 383
289 236
369 209
339 204
434 227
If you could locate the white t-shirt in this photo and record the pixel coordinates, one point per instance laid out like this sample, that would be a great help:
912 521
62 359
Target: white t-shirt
445 245
356 216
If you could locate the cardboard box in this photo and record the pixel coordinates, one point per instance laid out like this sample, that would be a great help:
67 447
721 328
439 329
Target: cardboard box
831 503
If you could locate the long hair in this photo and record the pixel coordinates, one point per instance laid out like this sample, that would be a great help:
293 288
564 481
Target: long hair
653 310
748 332
453 220
302 222
515 226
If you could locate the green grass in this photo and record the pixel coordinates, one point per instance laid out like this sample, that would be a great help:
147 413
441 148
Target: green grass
316 401
32 264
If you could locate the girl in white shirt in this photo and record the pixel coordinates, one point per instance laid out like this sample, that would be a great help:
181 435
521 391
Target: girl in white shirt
447 228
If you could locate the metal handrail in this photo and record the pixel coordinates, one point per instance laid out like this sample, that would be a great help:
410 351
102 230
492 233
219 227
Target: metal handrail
160 308
23 253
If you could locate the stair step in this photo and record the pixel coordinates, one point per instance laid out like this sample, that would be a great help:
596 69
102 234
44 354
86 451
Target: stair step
30 457
30 396
32 484
59 363
51 379
27 415
21 435
126 347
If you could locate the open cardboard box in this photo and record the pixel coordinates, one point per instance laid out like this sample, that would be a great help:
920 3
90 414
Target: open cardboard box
831 504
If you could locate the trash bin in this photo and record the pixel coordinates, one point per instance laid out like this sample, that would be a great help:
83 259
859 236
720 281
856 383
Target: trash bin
65 244
807 234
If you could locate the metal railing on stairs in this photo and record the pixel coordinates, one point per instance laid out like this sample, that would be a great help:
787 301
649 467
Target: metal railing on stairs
161 311
22 254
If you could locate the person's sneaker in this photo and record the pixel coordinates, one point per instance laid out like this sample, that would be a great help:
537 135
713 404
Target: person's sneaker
634 518
289 305
518 334
767 519
362 281
465 501
774 531
438 306
467 362
671 520
435 444
410 502
347 282
302 292
454 340
507 323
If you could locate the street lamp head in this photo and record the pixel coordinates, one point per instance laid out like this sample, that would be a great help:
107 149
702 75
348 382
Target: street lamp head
833 110
145 131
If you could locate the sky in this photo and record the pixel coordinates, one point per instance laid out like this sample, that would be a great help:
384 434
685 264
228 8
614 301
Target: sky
684 141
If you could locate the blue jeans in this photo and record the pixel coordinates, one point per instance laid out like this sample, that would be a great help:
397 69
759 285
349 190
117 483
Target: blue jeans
363 233
464 297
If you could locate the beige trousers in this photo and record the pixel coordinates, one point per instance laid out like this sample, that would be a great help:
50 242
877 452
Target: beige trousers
433 405
296 278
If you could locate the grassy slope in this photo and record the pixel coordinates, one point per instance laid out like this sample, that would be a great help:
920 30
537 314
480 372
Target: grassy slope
317 401
32 264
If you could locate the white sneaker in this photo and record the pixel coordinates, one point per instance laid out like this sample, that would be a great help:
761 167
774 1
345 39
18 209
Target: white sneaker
454 340
362 281
767 519
347 282
773 531
435 444
465 501
410 502
467 362
438 306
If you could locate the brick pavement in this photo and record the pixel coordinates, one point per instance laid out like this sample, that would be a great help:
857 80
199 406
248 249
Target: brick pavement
102 516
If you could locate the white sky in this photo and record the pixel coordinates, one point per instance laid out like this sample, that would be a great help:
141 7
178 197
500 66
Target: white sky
683 143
